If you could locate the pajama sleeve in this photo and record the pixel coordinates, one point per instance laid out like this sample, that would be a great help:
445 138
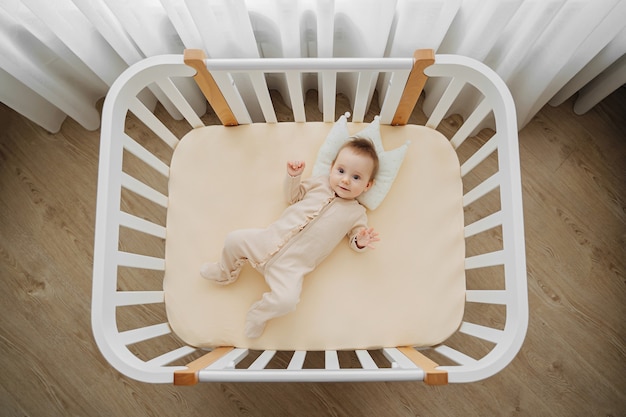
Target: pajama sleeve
358 225
294 188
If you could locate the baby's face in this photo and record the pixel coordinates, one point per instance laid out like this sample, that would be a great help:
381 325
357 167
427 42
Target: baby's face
350 174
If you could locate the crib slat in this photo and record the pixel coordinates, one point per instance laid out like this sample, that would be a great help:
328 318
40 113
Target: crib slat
480 155
481 189
395 82
234 103
130 337
487 296
153 122
398 359
297 360
134 260
230 360
365 359
483 332
146 97
454 355
146 156
180 102
294 83
484 260
361 99
262 92
477 116
143 190
484 224
448 97
131 298
329 92
331 361
141 225
262 361
171 356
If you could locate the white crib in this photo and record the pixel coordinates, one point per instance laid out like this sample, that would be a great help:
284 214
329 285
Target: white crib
126 281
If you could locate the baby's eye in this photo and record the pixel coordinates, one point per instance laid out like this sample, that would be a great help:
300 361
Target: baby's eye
356 177
340 170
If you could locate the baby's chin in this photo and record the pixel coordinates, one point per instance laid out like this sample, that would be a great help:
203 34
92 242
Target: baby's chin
342 194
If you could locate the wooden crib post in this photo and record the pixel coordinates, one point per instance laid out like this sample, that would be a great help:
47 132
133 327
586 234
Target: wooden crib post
189 376
195 59
432 376
414 85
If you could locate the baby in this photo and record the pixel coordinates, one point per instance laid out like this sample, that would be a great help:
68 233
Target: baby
322 211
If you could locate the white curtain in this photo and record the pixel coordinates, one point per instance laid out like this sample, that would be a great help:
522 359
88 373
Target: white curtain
58 58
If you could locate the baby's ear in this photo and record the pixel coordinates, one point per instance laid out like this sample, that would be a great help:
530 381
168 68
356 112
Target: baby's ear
369 185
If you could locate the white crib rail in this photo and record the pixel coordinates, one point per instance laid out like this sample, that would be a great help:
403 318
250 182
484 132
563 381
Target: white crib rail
228 364
108 258
367 70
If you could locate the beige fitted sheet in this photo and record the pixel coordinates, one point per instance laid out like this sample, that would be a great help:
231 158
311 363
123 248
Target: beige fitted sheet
410 290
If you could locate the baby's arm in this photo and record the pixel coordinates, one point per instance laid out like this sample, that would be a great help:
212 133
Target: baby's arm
362 237
294 189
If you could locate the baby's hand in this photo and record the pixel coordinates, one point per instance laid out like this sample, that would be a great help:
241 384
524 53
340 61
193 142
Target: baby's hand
366 237
295 168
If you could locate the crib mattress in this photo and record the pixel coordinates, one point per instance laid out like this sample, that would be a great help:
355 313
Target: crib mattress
410 290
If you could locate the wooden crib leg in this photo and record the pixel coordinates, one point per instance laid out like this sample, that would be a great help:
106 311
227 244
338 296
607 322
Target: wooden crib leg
189 376
414 85
433 376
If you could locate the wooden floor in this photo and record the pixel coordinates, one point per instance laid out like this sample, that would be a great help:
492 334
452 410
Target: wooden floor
573 362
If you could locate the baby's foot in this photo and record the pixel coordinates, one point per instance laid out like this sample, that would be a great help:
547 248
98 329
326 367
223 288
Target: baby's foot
213 272
254 330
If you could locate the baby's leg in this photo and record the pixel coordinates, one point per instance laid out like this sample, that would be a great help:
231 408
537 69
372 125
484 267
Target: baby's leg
284 295
239 247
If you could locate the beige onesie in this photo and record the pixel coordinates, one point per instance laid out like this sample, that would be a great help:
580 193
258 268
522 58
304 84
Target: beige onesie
291 247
